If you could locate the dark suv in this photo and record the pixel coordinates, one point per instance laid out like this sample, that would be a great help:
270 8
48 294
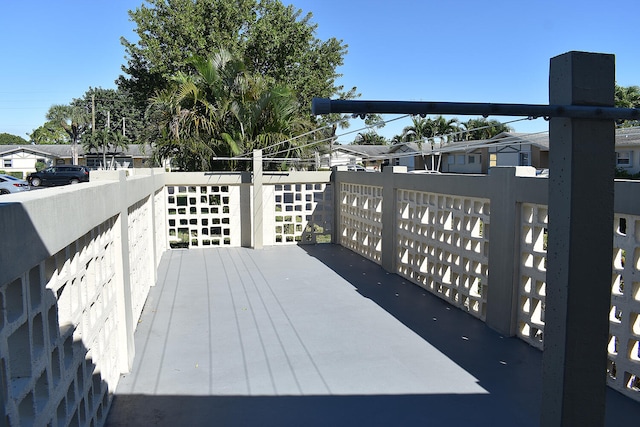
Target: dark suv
59 175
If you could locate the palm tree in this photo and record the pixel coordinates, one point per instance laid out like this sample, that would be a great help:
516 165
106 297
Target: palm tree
370 138
117 142
223 110
482 128
427 129
97 141
418 131
628 97
444 129
74 120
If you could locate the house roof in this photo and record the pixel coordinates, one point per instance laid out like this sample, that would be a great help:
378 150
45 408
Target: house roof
65 150
628 137
364 150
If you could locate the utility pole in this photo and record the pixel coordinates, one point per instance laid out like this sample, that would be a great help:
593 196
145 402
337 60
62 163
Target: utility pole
124 131
93 113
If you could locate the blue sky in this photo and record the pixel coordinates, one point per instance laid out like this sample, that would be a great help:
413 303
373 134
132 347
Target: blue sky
430 50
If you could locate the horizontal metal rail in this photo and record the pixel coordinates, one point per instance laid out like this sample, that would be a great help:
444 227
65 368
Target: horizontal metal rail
321 106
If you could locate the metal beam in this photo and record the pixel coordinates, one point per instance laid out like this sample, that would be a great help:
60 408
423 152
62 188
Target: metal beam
320 106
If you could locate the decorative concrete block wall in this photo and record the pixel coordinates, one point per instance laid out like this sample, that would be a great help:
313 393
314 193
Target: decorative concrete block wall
203 215
361 219
532 286
442 246
440 232
67 316
298 212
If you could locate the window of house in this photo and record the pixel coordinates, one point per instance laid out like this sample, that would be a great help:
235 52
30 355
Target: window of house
473 159
7 163
451 160
623 159
525 159
493 159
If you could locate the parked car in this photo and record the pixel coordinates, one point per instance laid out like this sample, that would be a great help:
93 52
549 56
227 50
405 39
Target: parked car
11 184
59 175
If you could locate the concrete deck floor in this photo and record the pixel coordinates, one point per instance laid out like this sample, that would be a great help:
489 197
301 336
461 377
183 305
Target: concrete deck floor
319 336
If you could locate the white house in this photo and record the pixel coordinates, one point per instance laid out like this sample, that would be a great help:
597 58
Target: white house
628 150
369 156
23 158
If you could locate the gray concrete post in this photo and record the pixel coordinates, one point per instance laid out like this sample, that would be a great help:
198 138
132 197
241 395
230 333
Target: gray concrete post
125 306
504 253
258 208
336 233
580 244
389 224
246 213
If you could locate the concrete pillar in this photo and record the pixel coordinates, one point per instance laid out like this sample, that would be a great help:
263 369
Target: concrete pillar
580 244
389 215
258 208
336 233
126 326
246 212
504 252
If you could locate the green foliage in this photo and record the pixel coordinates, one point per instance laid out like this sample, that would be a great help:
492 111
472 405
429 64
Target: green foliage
51 132
428 129
624 174
74 119
40 166
482 128
8 139
628 97
370 137
114 109
273 40
448 130
14 174
222 110
103 140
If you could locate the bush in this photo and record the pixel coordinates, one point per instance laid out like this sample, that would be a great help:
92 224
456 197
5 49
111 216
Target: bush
624 174
14 174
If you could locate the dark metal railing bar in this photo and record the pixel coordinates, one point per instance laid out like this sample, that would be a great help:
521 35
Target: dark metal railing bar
320 106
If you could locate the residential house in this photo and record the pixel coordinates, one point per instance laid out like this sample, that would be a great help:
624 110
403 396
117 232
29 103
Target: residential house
23 158
628 150
415 157
519 149
369 156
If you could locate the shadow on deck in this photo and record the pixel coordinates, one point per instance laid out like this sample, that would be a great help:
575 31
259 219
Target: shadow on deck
316 336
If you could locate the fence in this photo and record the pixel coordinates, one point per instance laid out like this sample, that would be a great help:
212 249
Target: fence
479 242
78 262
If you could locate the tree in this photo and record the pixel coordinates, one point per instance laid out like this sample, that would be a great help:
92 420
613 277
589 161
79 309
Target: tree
117 142
8 139
97 141
428 129
274 40
223 110
628 97
114 109
370 137
74 120
481 128
49 133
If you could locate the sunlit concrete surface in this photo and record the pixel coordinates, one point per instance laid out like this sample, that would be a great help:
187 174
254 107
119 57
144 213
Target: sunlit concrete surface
316 335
